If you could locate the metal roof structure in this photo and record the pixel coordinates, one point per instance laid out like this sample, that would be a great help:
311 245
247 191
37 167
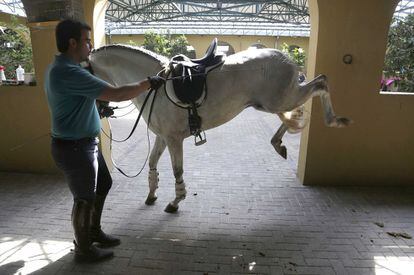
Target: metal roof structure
12 7
404 8
232 17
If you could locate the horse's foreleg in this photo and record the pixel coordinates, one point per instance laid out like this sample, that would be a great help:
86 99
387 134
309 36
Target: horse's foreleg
319 86
153 179
276 141
176 152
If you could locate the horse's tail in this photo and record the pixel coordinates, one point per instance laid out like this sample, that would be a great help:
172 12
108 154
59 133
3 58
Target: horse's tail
295 120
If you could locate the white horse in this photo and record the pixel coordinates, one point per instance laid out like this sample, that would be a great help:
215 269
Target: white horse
265 79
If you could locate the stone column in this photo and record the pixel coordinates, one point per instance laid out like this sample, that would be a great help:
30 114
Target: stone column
378 147
43 16
94 13
52 10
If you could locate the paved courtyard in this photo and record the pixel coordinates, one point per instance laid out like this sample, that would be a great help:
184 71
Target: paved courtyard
245 213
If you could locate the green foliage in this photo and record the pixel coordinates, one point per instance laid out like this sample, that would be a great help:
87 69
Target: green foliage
178 45
399 59
295 53
165 45
156 42
15 47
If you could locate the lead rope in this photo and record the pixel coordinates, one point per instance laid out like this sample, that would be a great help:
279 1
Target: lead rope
132 131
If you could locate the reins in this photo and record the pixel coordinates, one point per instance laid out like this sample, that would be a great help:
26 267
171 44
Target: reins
152 91
132 131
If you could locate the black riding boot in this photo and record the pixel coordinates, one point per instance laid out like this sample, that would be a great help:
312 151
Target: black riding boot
84 250
97 235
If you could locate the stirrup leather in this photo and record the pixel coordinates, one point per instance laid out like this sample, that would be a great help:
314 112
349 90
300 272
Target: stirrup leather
194 121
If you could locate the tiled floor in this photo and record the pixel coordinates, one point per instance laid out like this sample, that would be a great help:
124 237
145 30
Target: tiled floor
245 213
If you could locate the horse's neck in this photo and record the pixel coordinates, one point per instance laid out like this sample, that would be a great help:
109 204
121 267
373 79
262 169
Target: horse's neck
139 100
121 66
132 68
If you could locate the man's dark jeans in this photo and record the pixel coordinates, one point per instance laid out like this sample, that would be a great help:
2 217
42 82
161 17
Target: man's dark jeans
83 166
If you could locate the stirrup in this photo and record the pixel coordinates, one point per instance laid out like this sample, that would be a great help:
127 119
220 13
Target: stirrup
202 138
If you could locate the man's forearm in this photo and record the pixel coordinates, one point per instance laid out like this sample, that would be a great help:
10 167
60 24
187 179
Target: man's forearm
132 90
125 92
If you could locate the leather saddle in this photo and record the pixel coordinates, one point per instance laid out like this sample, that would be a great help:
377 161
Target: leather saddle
189 75
189 85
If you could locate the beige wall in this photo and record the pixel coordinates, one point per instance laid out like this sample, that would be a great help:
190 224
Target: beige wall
239 43
5 17
24 114
94 12
378 148
124 39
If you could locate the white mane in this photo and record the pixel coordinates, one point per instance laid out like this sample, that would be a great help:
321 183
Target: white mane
135 50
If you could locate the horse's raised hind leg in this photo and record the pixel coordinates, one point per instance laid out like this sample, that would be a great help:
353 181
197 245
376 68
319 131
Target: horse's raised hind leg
319 86
176 152
276 141
153 179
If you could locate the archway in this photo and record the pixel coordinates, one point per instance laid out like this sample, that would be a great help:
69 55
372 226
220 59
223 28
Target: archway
327 49
257 46
355 155
225 48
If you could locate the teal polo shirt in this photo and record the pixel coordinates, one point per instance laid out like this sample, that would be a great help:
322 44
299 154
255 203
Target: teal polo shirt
71 93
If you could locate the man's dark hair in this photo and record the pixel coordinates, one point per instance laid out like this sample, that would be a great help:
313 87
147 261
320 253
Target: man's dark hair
68 29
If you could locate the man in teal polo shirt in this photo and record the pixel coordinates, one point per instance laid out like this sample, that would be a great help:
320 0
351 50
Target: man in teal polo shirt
71 93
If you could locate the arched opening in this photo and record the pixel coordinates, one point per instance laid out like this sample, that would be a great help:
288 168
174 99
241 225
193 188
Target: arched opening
16 57
333 154
225 48
257 46
351 55
292 48
297 54
398 73
191 53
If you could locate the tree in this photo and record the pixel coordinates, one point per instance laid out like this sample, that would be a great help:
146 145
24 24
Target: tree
297 54
15 47
165 45
399 59
178 45
156 42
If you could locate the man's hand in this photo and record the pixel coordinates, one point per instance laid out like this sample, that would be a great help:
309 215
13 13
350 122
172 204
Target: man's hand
156 81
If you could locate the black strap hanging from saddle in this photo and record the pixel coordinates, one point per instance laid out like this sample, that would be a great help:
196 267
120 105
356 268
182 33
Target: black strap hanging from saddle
194 121
189 84
190 88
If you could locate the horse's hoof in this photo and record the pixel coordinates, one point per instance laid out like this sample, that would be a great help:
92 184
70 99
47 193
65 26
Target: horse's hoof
339 122
150 200
281 150
170 208
343 121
